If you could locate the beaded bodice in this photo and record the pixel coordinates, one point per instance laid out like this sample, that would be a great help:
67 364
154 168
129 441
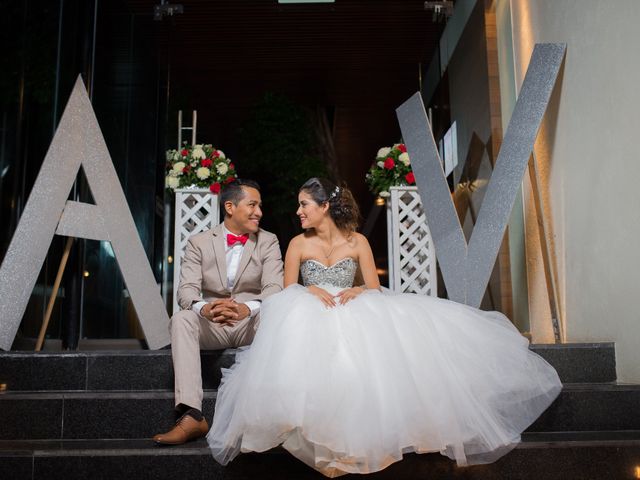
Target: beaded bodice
340 274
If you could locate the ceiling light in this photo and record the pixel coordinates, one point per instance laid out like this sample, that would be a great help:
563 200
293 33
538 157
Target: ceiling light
441 10
306 1
166 9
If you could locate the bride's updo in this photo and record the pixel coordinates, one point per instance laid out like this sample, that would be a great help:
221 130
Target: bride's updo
343 208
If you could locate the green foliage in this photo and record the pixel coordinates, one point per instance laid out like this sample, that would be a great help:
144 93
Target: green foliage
279 150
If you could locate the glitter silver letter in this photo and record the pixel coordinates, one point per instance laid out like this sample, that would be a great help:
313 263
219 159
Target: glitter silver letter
78 141
466 268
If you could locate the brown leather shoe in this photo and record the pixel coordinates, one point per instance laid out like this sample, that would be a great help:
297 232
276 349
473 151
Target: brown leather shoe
186 428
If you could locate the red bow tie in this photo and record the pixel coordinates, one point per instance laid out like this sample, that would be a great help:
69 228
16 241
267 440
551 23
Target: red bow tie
231 238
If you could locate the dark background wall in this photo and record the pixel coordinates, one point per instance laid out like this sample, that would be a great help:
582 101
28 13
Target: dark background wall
45 46
352 61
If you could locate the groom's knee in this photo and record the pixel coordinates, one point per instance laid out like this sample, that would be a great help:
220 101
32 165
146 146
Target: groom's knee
184 320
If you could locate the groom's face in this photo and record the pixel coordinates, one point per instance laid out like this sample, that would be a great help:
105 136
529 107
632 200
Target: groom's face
245 216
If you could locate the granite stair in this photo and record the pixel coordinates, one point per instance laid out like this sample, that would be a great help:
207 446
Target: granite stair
91 415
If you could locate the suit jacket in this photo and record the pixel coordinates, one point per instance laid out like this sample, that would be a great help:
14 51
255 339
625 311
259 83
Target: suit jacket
203 274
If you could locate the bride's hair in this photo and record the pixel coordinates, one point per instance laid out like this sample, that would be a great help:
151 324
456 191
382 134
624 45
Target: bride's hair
343 208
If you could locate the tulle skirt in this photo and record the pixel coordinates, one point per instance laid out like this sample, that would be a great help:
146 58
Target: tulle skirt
350 389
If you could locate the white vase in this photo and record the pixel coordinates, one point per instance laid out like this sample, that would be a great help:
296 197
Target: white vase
196 210
412 256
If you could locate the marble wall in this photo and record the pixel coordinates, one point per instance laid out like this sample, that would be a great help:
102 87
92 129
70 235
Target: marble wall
587 151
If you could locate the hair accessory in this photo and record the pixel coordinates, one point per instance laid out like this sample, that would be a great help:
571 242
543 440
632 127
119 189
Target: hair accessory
335 193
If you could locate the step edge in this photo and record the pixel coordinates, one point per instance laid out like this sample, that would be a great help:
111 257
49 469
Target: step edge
233 351
560 346
97 394
174 452
109 353
212 393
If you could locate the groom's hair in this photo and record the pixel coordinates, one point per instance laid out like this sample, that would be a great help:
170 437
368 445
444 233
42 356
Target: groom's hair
233 192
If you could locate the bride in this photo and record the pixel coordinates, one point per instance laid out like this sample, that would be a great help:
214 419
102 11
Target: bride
349 378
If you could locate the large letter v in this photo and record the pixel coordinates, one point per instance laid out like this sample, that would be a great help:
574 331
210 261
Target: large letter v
466 268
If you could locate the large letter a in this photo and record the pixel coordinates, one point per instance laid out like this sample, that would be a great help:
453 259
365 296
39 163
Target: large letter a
77 142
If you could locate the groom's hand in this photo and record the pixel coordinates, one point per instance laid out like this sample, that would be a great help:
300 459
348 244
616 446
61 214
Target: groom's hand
225 311
241 309
219 311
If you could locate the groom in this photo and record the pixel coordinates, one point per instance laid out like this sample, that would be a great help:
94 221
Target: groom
225 273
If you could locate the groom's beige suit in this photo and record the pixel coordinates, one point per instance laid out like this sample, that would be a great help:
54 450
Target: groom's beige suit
203 276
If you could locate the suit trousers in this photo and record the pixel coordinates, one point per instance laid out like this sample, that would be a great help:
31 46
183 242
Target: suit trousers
189 334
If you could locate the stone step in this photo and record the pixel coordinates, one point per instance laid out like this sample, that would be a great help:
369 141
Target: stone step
581 362
89 415
594 455
583 407
152 370
100 370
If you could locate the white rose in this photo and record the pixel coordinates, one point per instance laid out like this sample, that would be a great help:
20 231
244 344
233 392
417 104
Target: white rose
170 154
404 158
222 168
396 145
384 194
178 166
221 154
176 155
383 152
198 153
380 164
171 182
203 173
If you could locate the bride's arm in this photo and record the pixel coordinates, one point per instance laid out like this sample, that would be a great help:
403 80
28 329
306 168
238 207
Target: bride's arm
367 268
367 264
292 262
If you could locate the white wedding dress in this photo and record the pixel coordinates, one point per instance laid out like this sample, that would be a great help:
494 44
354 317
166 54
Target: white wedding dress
349 389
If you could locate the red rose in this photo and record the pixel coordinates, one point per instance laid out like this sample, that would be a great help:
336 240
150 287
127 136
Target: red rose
229 180
184 152
215 154
410 178
215 187
402 148
206 162
186 169
389 163
232 166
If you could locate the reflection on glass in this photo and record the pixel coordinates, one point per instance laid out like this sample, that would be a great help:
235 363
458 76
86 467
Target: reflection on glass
46 46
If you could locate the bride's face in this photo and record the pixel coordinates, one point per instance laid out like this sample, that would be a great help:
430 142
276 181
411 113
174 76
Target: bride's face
309 212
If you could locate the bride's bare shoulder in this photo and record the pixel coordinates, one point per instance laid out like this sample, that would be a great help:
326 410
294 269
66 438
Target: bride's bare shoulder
358 239
299 240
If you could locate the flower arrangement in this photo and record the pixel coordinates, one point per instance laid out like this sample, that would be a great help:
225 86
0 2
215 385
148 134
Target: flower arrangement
198 166
391 168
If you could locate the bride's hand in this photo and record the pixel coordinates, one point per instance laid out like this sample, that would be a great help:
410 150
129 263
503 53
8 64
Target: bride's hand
324 296
349 294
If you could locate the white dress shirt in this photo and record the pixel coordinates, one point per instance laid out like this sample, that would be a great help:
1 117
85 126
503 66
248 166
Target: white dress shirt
233 254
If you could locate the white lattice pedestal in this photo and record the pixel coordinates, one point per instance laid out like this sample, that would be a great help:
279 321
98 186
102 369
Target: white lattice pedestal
412 257
196 210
